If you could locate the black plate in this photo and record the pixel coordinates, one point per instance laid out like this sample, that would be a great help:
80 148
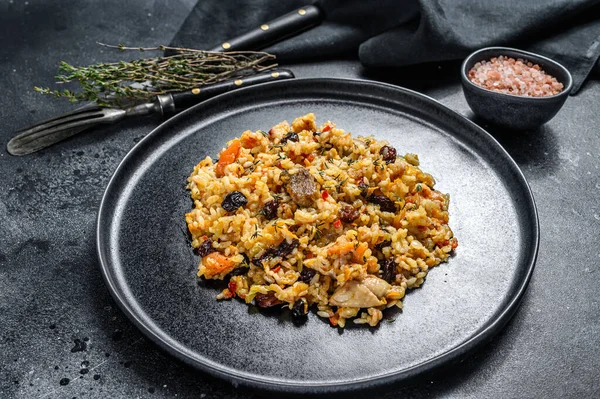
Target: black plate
150 269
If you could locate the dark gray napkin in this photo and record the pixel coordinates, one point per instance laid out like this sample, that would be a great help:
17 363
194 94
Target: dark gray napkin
389 33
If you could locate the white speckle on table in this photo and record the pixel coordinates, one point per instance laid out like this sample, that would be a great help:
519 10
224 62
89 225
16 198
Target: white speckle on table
575 212
596 216
555 179
149 14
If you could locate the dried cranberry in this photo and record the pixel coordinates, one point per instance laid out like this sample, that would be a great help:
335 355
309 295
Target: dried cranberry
387 267
205 248
306 275
385 204
388 153
299 309
233 201
291 136
348 214
270 209
266 300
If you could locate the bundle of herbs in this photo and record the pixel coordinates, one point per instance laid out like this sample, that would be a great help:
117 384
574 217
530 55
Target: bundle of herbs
124 83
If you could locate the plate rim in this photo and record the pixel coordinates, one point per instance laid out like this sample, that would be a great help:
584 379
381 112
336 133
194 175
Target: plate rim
496 324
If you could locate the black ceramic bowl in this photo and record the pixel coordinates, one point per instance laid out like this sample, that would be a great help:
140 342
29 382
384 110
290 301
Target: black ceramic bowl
507 110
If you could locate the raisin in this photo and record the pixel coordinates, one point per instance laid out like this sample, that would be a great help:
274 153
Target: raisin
233 201
387 267
383 244
306 275
348 214
246 260
205 248
285 248
266 300
291 136
363 187
299 309
282 250
238 271
270 209
388 153
385 204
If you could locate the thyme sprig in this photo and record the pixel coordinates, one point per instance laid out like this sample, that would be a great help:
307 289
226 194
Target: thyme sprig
127 82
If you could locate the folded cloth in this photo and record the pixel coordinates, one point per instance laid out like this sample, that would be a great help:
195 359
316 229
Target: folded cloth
391 33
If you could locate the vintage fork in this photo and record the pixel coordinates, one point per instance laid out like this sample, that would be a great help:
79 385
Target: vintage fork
46 133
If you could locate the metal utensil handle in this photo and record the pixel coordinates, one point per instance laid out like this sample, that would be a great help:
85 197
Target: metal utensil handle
185 99
274 31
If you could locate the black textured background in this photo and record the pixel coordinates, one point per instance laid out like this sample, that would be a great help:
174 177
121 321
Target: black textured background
57 319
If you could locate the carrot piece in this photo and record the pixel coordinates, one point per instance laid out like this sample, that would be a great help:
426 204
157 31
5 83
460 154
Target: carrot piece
454 242
216 264
341 248
333 320
228 156
360 251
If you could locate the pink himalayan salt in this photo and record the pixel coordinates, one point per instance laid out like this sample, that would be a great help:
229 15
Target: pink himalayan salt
518 77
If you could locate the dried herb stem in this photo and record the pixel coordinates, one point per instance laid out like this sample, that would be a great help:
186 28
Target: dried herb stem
126 82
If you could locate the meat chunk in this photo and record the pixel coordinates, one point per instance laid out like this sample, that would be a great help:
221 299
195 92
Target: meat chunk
354 294
302 188
376 285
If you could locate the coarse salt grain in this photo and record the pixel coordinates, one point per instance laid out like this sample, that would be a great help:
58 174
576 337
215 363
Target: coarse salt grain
518 77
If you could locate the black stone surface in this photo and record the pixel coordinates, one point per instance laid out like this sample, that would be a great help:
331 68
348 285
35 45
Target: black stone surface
51 292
